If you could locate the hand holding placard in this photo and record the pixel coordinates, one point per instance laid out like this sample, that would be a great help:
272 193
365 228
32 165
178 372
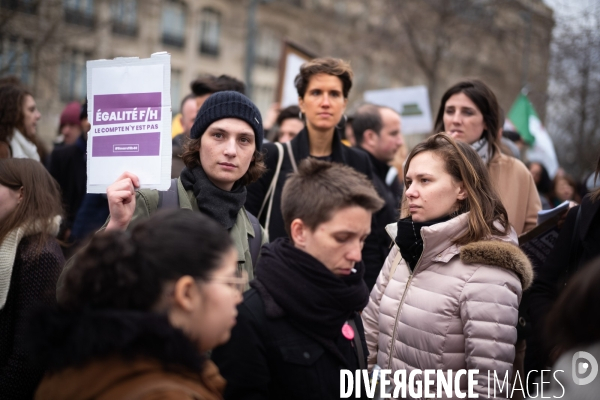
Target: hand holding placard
121 201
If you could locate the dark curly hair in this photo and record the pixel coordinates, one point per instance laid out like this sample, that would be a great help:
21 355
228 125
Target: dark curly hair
12 98
127 270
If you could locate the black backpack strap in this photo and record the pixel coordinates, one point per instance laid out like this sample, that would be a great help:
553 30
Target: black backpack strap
169 198
254 242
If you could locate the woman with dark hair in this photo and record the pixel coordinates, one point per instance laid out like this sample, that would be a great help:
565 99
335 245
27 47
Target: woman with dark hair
576 245
222 157
448 295
323 85
18 123
30 263
469 112
141 309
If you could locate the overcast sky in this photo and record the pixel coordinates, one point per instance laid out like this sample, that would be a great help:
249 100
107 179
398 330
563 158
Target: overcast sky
575 11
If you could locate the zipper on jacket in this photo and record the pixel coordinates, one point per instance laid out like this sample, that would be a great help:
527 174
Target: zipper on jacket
412 274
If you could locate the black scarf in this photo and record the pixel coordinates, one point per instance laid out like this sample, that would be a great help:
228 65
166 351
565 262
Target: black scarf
219 204
315 300
409 238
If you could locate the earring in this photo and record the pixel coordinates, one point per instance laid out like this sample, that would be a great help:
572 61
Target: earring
300 115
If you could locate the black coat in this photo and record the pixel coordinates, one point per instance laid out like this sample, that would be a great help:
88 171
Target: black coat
68 165
550 279
378 243
301 150
270 358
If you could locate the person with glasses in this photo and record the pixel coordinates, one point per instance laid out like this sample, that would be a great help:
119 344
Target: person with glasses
299 325
142 309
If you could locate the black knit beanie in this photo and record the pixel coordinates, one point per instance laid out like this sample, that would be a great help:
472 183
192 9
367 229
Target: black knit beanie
228 104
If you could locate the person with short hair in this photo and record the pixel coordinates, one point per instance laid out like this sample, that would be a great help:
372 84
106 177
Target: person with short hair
448 295
299 324
288 124
30 262
142 309
18 123
222 158
378 132
208 84
323 86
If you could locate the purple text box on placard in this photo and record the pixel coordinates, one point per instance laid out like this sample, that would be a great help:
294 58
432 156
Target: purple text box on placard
126 108
141 144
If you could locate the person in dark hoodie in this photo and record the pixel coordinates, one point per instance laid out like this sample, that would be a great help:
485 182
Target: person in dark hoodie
299 325
142 308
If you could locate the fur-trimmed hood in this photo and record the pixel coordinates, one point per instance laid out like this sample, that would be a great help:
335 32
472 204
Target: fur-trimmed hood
499 254
456 309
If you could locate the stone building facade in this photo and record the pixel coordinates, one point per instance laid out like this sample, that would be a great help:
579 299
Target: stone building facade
389 43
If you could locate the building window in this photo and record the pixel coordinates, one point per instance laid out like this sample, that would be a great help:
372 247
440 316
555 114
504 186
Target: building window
268 50
210 29
173 24
26 6
124 17
73 76
15 59
79 12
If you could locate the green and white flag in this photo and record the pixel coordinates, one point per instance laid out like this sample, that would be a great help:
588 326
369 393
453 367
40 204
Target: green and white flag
523 118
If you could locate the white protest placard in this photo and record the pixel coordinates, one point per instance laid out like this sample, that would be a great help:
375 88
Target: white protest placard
292 58
129 103
412 103
289 94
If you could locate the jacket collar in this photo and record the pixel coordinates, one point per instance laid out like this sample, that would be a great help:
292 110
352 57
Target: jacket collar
301 147
499 251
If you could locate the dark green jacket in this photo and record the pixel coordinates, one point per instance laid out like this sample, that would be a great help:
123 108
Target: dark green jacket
146 203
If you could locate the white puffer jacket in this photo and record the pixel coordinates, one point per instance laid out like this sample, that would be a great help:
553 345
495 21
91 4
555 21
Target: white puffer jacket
457 310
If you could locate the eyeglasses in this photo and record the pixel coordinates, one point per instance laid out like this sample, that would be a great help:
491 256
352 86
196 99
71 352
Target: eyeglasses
238 282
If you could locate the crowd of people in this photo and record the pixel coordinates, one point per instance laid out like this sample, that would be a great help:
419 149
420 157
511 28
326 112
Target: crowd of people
289 248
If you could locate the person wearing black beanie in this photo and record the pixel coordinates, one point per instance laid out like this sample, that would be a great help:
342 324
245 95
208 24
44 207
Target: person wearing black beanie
222 157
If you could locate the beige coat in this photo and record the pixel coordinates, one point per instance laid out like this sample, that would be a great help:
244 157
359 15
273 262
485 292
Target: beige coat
517 190
113 378
457 310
